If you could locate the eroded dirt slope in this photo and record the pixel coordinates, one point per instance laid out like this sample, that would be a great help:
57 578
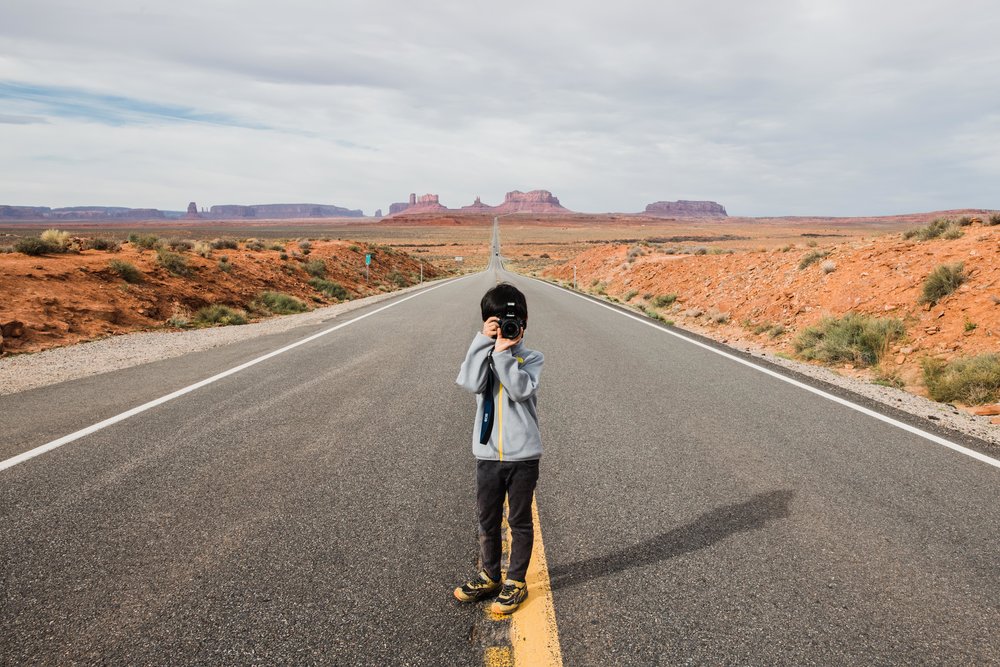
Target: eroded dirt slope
59 299
739 294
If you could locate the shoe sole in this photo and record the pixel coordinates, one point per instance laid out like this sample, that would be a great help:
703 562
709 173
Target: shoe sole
506 609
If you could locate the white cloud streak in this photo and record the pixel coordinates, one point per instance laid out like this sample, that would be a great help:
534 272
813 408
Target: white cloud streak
774 107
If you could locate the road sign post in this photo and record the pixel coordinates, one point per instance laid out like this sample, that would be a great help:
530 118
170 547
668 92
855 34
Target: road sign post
368 261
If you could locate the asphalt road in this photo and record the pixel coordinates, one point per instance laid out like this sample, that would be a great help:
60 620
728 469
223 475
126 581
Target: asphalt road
317 508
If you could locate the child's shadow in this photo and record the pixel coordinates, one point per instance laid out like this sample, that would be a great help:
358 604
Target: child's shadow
704 531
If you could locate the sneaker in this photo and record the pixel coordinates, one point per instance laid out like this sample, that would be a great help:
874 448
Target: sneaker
477 589
511 596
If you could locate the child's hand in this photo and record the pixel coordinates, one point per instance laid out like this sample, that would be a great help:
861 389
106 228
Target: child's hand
491 327
506 343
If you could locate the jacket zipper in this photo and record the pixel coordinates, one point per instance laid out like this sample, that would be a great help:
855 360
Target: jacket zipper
500 419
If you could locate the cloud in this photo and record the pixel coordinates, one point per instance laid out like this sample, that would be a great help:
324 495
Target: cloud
773 107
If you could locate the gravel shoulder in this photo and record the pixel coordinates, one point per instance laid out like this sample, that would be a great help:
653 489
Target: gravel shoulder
29 371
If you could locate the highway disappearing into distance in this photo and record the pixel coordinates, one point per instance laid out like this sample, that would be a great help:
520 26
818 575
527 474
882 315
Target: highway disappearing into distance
317 507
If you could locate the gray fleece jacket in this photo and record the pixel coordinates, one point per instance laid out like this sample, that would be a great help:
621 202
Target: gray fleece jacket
515 371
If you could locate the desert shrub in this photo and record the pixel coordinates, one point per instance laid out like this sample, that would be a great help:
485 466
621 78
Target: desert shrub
283 256
601 288
829 266
663 300
631 294
855 338
970 325
203 249
254 245
398 279
224 265
889 379
276 246
776 331
942 281
330 289
103 244
940 227
224 244
6 249
218 314
180 245
700 250
126 271
315 268
544 255
635 251
717 316
281 303
34 246
971 380
965 221
172 262
811 258
144 241
993 220
56 238
305 247
813 244
785 248
354 248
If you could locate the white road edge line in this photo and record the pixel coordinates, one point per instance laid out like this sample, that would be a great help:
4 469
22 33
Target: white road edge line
819 392
41 449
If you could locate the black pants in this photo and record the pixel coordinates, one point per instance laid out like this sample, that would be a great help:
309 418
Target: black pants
515 480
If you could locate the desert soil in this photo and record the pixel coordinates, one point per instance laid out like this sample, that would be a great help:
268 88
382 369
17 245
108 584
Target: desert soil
60 299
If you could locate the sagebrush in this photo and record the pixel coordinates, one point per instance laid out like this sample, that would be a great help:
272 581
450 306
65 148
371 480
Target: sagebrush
860 339
970 380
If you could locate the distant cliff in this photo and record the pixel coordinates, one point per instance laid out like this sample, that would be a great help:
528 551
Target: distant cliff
274 211
683 208
79 213
536 201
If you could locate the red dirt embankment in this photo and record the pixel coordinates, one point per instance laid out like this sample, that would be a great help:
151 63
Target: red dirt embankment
68 298
737 294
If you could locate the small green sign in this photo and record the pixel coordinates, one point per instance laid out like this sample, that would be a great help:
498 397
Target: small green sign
368 258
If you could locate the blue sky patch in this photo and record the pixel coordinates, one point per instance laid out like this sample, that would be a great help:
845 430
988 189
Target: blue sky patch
112 110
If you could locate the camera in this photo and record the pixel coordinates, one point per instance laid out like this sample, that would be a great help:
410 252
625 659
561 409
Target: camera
510 324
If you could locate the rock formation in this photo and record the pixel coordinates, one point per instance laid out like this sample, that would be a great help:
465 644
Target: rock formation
477 206
536 201
192 212
686 209
276 211
378 213
423 204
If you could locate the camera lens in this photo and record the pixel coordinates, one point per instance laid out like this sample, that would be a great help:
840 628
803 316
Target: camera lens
510 328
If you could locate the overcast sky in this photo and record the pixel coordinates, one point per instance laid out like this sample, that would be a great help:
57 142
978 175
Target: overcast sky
771 107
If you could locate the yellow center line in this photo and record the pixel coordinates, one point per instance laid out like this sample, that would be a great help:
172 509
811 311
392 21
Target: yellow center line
533 631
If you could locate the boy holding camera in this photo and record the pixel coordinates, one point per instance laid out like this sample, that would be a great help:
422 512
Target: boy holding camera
504 375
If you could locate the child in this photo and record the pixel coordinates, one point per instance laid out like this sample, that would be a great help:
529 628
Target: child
505 441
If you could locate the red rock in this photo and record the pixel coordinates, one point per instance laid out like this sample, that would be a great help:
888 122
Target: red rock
477 205
12 329
424 204
987 410
536 201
